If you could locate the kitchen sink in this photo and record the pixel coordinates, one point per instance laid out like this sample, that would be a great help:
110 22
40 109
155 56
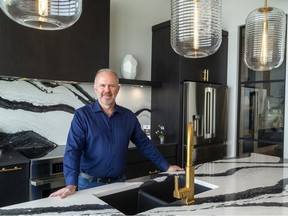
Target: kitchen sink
149 195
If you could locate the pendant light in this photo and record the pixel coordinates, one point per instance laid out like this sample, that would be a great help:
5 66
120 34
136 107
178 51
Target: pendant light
196 27
265 38
43 14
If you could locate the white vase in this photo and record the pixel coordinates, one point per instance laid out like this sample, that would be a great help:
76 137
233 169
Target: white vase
161 139
129 67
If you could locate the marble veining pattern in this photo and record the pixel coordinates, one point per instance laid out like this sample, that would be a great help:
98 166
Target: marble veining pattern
85 209
46 108
257 185
254 185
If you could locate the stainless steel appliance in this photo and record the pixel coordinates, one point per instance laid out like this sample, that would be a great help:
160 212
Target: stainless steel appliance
205 105
46 174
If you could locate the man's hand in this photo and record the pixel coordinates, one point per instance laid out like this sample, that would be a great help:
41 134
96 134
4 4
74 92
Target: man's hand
64 192
173 168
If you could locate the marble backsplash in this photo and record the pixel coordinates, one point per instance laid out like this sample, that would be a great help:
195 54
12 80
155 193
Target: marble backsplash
35 111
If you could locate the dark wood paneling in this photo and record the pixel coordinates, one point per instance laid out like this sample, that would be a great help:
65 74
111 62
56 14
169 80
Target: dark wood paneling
72 54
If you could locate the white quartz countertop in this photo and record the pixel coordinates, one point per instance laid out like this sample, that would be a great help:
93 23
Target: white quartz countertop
254 185
82 202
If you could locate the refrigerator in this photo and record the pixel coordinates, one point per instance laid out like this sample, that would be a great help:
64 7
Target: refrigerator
205 105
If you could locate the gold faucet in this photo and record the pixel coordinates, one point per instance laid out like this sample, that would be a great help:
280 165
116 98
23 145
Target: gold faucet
187 193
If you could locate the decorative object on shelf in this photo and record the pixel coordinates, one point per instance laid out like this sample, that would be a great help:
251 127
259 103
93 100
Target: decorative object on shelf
161 133
196 30
129 67
265 38
146 129
43 14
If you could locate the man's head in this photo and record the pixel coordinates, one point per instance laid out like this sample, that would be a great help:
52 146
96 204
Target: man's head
106 87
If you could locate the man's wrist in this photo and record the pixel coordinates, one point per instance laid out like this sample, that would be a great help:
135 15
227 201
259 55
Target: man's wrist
72 187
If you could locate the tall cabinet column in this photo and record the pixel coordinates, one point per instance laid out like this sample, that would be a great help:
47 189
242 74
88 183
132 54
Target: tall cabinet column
170 70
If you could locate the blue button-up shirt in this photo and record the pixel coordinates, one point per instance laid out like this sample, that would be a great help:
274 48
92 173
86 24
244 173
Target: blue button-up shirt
97 144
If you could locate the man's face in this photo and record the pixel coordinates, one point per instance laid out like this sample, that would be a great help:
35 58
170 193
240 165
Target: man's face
106 88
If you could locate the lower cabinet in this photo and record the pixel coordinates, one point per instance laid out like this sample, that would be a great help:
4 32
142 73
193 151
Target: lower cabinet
14 178
137 165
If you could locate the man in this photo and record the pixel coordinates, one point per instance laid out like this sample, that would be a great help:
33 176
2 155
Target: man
98 140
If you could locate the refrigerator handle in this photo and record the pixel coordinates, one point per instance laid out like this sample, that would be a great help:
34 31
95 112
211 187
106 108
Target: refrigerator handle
209 112
197 125
214 113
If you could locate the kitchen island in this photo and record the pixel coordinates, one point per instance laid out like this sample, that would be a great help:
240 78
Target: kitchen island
254 185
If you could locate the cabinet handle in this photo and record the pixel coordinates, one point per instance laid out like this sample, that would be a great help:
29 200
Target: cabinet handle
205 75
153 172
209 112
10 169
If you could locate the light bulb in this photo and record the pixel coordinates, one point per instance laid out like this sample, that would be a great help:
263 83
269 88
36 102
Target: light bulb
196 30
196 26
263 56
43 7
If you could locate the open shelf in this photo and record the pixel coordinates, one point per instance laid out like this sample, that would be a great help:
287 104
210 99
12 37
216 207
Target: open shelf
139 82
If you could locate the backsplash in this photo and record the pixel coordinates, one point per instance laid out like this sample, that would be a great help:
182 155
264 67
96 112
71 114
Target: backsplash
33 111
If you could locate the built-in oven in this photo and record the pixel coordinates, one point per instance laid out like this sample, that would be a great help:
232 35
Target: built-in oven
46 174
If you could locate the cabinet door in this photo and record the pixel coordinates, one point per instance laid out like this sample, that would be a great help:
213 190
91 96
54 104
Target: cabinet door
212 69
192 69
217 69
167 65
72 54
13 184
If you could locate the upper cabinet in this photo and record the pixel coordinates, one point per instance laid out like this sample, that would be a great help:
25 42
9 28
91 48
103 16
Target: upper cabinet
212 69
72 54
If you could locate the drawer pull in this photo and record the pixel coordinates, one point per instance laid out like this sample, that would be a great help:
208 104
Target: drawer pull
3 169
153 172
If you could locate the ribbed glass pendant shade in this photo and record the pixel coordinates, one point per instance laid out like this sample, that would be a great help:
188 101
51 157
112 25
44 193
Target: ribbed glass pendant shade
43 14
196 27
265 39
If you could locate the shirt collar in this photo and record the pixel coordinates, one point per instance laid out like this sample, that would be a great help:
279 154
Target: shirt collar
97 108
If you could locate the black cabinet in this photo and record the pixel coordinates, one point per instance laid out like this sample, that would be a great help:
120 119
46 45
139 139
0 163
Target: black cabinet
165 60
171 70
210 69
137 165
72 54
14 178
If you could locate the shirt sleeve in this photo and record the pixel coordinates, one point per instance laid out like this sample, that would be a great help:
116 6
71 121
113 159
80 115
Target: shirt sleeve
74 146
